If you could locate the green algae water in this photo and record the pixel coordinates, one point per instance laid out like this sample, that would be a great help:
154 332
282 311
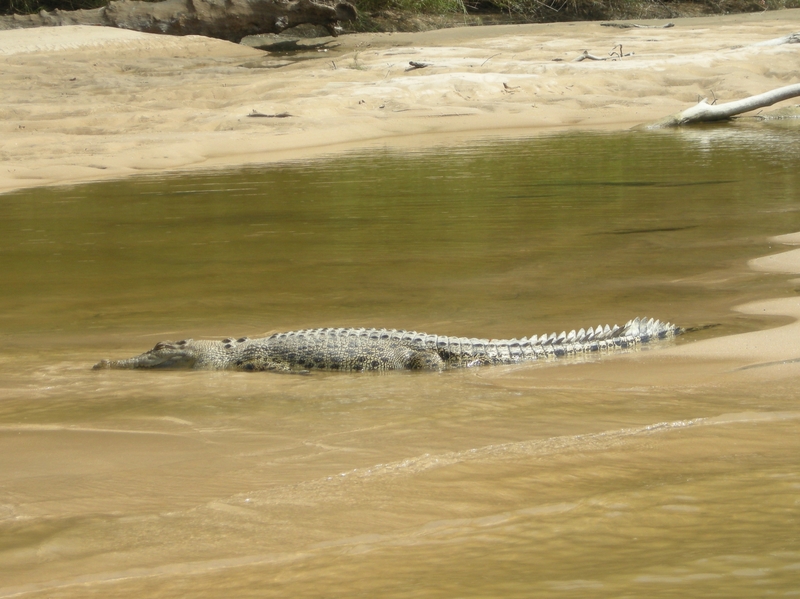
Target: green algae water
539 480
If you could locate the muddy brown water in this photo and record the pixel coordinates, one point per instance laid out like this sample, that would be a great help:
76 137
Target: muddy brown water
546 480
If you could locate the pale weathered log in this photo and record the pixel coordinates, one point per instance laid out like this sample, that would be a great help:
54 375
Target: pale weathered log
229 20
703 112
587 56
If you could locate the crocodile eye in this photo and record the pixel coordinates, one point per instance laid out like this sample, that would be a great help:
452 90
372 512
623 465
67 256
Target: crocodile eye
228 340
241 340
182 342
228 346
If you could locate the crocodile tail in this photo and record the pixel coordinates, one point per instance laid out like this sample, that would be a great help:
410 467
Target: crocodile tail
461 351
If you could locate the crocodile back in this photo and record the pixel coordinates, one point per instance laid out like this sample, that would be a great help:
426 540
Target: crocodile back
392 349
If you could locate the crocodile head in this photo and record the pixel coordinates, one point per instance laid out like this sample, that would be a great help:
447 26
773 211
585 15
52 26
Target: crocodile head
166 354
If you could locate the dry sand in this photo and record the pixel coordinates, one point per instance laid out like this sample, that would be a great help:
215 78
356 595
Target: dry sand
90 103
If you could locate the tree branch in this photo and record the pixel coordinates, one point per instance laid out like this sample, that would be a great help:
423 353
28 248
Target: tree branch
703 112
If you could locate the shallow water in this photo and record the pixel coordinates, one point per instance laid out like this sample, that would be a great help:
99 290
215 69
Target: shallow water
603 478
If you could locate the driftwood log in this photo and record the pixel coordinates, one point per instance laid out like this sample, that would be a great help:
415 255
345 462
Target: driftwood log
703 112
229 20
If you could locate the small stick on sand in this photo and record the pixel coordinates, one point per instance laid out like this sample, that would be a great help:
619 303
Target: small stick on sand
635 25
618 55
280 115
492 56
417 65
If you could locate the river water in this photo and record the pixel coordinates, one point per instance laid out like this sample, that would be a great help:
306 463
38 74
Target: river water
594 478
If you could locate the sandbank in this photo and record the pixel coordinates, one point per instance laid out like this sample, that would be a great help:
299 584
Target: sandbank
89 103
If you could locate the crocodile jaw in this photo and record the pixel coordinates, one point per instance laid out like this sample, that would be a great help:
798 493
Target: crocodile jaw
163 355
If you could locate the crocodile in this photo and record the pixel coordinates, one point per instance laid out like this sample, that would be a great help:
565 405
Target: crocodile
352 349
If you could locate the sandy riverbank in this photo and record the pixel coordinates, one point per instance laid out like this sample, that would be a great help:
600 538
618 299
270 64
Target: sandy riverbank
90 103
